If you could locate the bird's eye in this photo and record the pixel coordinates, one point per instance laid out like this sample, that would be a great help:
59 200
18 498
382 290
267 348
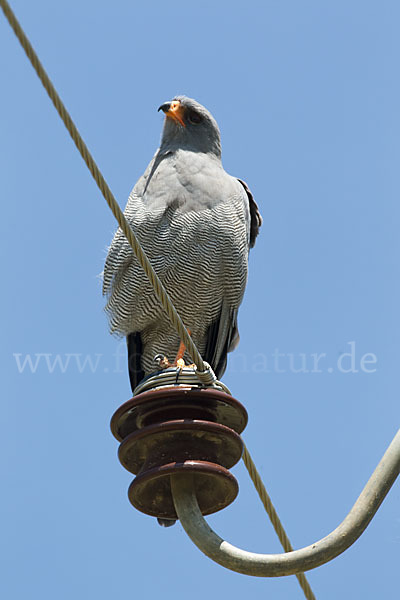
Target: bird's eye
194 117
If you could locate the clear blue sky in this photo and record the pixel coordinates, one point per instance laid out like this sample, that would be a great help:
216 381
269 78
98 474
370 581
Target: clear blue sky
307 97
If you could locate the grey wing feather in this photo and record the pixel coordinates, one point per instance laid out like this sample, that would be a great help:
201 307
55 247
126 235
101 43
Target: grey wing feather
223 334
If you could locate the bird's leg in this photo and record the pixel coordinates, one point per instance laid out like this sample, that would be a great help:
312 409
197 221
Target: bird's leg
179 361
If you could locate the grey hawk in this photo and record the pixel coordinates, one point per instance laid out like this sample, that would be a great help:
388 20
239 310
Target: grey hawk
196 224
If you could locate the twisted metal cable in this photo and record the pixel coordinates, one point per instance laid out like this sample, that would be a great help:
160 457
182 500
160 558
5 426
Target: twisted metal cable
204 370
158 287
275 520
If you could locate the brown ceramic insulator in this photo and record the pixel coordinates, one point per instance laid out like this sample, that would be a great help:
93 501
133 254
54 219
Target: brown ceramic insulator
179 441
180 429
150 491
176 403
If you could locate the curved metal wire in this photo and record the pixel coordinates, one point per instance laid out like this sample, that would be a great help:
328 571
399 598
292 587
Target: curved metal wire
276 565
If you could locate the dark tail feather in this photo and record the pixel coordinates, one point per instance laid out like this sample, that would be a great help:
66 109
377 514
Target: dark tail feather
135 349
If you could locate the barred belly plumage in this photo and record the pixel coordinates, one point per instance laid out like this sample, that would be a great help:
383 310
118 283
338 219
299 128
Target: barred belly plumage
201 258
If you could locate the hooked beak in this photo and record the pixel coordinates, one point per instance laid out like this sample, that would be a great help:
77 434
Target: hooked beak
173 110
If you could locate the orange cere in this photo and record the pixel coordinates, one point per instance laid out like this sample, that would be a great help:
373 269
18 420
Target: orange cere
176 112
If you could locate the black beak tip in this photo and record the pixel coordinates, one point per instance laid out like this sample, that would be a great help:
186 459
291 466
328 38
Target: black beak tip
164 107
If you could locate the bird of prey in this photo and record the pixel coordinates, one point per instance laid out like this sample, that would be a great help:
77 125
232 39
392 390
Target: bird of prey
196 224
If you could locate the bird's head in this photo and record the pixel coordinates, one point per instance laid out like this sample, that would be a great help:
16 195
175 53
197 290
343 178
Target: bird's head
190 126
